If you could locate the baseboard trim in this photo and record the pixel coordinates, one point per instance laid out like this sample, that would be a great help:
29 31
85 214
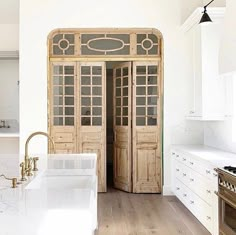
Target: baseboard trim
167 190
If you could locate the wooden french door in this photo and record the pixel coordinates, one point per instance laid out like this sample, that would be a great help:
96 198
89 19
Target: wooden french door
137 127
146 129
122 127
92 115
77 115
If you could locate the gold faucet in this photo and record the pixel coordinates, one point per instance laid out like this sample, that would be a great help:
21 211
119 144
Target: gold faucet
13 180
26 166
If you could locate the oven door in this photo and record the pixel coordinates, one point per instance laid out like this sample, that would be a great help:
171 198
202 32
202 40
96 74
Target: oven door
227 216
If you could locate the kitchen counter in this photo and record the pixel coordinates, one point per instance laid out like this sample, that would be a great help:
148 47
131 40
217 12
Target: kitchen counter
57 200
213 156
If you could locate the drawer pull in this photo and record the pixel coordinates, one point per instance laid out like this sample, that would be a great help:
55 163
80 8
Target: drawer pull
191 180
208 217
208 191
184 174
184 159
185 195
191 202
208 172
177 188
177 169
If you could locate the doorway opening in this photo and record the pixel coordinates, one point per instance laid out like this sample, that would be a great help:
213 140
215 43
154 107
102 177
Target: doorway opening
105 96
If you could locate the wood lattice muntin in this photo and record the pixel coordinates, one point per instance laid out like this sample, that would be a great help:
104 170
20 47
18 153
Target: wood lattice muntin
107 42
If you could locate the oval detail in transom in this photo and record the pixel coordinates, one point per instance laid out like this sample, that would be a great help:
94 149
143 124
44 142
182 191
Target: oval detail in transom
105 44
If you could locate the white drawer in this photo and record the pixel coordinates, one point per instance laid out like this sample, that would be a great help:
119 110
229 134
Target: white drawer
184 159
175 155
201 186
185 174
178 188
201 210
192 163
178 170
206 216
206 171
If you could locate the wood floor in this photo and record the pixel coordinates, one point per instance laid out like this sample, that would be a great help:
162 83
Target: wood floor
121 213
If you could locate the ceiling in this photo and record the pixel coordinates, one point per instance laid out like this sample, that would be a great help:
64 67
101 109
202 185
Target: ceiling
9 11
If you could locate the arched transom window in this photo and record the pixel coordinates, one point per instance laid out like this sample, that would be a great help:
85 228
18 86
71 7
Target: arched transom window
107 42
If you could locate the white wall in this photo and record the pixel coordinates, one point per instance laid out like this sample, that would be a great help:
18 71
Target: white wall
9 92
9 40
9 75
39 17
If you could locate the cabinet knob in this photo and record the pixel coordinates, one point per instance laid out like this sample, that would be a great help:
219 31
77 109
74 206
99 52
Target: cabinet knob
192 180
185 195
173 153
215 174
208 217
184 159
177 188
191 112
208 171
208 191
191 202
177 155
177 169
191 163
184 174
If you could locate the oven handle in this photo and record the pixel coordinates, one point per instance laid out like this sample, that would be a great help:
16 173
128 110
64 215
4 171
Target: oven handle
225 199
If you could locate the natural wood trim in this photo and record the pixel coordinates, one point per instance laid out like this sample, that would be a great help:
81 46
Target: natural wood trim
105 30
104 58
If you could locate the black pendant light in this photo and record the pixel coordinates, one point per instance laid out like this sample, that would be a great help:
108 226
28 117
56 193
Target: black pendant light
205 16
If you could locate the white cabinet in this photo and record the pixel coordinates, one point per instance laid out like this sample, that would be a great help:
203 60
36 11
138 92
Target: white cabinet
207 88
194 183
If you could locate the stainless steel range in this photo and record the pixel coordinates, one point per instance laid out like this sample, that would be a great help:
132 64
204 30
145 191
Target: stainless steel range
227 200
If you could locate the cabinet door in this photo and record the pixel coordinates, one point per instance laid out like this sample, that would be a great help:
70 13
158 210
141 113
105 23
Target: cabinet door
146 129
91 124
122 126
62 101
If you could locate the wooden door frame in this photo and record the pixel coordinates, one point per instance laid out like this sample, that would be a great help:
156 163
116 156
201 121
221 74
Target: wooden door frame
105 58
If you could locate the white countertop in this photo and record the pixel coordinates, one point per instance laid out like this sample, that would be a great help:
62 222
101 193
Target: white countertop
9 135
213 156
52 202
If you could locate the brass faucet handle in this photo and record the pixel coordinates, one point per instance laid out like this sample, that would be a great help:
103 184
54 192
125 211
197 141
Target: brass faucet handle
14 182
23 178
30 167
35 159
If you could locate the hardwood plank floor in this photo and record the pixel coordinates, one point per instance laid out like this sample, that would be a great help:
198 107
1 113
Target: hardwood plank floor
121 213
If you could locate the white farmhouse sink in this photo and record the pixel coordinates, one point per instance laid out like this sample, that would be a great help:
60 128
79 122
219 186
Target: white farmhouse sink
64 196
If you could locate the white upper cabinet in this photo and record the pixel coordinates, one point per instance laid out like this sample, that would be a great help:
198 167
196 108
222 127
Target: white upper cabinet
207 96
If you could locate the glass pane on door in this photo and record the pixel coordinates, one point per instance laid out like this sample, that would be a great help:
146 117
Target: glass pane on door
63 91
146 94
91 95
121 81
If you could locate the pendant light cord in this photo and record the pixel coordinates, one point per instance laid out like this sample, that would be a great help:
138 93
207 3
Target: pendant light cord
209 4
